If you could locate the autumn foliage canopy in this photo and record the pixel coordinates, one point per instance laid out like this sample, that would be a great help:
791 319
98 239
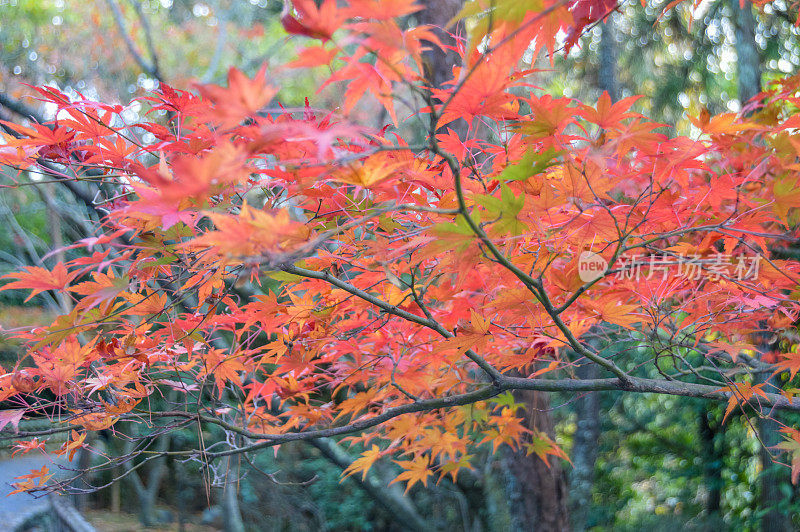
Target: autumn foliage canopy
291 273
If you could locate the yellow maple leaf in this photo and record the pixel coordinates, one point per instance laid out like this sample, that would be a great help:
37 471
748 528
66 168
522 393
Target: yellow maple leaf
72 445
615 312
416 470
363 464
371 171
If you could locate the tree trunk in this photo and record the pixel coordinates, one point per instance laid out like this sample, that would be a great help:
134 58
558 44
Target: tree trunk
584 450
232 516
748 59
607 68
147 502
116 500
439 64
749 85
81 500
391 498
536 491
776 518
713 454
147 494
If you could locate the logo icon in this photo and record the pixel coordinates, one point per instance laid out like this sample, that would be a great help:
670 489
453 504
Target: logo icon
591 266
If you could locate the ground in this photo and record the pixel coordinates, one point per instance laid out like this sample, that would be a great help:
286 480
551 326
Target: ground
105 521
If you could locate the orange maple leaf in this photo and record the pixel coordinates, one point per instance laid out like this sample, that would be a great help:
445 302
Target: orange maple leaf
103 288
359 402
37 478
40 279
472 335
252 232
741 392
612 311
790 363
722 124
416 470
313 56
242 98
26 446
303 17
95 421
371 171
733 349
72 445
607 115
364 463
382 9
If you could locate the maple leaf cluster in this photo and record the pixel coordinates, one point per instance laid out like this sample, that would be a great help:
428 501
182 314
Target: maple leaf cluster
292 274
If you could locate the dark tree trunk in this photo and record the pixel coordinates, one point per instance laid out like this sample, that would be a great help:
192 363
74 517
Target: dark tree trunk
438 64
773 502
711 433
147 493
536 491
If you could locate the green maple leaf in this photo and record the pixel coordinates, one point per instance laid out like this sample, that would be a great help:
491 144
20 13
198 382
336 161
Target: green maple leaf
504 210
532 163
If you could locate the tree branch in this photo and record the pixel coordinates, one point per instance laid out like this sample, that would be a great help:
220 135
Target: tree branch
633 384
397 504
490 370
149 68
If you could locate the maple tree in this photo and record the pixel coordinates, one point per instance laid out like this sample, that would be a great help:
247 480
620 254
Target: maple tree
292 274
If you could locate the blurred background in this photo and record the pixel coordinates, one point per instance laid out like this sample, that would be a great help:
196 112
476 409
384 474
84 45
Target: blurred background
638 462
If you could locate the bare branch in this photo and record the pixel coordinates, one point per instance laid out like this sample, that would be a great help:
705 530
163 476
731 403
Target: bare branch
149 68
